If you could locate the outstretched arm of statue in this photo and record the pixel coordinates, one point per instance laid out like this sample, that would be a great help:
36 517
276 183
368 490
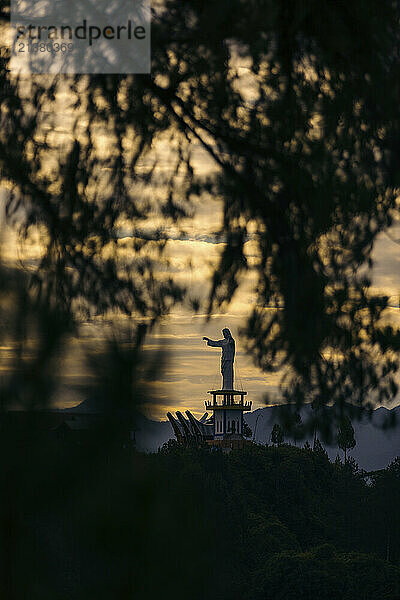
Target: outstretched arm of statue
215 343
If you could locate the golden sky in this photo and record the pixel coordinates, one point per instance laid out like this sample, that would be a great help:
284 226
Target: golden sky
193 368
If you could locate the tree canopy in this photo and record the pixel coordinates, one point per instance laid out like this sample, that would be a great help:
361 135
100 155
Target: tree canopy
345 437
299 117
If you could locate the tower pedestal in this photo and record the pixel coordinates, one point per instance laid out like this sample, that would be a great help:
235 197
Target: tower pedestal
228 407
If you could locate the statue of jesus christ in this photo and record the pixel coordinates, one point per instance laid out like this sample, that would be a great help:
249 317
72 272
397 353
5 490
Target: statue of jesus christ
227 357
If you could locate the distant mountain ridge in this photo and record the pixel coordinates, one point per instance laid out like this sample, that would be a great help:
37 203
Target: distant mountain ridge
375 448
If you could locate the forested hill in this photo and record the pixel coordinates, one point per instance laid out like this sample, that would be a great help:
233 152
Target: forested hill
375 447
281 524
97 520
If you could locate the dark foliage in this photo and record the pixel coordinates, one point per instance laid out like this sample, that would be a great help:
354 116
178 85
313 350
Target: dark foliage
103 521
277 435
345 436
286 523
305 152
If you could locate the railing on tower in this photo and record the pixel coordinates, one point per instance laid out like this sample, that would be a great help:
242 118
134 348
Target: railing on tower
226 398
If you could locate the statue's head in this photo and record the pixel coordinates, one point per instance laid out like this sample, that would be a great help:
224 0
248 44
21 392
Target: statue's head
226 333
